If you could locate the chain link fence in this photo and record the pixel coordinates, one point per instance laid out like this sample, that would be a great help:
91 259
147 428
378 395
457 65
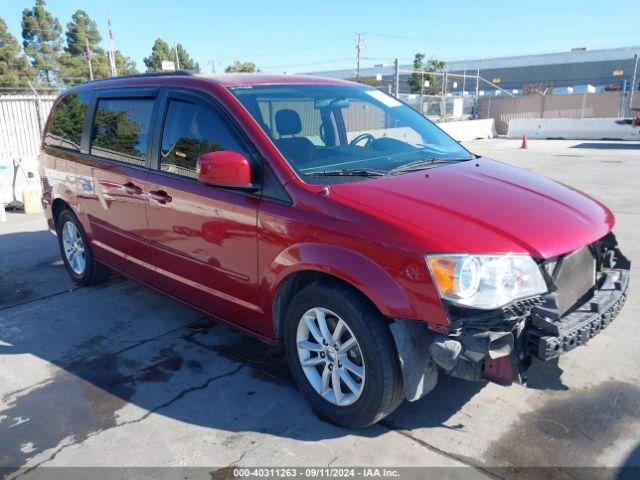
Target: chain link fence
585 105
442 96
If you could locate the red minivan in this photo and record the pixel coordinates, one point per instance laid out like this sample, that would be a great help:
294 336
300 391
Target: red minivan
330 218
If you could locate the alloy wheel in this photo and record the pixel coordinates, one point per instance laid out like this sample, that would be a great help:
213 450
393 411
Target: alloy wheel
330 356
73 248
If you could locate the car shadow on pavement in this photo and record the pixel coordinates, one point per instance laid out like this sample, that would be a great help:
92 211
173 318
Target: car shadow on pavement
609 146
30 267
120 353
631 467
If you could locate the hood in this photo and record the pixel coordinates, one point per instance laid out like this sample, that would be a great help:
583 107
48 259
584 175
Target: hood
484 206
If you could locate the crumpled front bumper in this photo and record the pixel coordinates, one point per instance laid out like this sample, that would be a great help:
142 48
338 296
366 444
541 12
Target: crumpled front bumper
546 339
500 345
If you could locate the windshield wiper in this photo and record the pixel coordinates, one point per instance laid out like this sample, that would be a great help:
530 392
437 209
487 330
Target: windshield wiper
348 172
420 164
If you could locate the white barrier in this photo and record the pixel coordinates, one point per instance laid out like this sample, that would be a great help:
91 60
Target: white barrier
467 130
572 129
27 165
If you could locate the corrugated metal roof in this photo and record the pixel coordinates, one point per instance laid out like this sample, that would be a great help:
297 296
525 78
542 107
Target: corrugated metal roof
574 56
560 58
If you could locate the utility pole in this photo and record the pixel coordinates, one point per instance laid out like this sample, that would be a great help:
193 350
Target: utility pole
112 53
359 48
396 78
443 111
213 65
88 55
175 49
422 90
476 102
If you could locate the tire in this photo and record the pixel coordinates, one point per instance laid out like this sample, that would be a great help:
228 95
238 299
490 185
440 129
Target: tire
378 392
88 271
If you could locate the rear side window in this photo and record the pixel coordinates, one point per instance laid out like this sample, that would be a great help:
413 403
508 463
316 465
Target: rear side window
67 121
121 129
189 131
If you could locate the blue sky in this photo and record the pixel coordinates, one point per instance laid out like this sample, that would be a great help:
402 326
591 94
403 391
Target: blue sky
299 36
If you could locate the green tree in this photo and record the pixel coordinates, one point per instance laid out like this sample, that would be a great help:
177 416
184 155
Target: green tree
14 67
186 62
416 79
74 69
42 40
159 52
124 64
162 51
372 81
242 67
80 29
422 73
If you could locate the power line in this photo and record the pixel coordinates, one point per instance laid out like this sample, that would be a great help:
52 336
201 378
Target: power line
313 46
310 63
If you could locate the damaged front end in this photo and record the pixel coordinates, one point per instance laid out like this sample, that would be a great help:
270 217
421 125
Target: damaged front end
586 290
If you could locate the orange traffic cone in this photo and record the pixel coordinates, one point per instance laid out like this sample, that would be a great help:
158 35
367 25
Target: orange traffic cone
524 142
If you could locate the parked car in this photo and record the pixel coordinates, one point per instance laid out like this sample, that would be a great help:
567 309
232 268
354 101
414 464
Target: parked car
330 218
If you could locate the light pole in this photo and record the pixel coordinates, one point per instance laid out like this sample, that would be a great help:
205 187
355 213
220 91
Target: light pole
633 82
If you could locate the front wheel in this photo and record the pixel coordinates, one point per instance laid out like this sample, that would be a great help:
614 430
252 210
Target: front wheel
342 355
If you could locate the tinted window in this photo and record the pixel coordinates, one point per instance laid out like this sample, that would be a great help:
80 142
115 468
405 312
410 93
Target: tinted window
376 134
189 131
67 121
310 119
121 129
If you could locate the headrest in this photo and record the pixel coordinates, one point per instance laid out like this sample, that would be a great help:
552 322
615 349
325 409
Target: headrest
288 122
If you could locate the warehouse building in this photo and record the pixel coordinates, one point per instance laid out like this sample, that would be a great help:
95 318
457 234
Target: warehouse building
575 71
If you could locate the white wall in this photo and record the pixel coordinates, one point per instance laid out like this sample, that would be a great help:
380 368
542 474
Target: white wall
467 130
572 128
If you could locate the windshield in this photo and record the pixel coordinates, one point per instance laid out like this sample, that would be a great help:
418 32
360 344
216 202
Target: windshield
340 133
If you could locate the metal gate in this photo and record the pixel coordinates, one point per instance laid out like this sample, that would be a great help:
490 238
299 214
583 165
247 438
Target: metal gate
22 118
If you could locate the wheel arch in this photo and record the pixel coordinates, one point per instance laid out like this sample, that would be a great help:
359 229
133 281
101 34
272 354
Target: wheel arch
303 264
57 208
65 198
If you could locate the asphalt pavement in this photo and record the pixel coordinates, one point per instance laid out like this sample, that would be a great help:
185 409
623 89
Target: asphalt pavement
120 376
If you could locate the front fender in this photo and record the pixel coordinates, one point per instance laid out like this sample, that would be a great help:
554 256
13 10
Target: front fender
352 267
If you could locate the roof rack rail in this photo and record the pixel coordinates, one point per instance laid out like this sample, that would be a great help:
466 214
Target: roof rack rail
149 74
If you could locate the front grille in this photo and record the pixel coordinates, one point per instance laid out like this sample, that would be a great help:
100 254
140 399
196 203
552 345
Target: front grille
574 277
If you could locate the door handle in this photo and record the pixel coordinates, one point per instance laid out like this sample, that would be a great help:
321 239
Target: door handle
132 189
160 196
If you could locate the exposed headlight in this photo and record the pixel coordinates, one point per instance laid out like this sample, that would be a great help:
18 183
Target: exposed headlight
485 281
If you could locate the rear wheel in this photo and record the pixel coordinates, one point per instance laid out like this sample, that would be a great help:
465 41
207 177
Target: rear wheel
76 251
342 355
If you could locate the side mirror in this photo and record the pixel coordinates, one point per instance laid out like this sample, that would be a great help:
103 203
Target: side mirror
224 169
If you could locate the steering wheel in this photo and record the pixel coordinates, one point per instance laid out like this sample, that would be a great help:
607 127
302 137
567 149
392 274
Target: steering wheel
363 136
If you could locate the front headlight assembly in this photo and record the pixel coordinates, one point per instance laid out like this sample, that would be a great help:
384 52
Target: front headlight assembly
485 281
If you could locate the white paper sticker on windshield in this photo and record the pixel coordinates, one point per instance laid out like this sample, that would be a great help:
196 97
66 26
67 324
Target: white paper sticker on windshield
386 100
